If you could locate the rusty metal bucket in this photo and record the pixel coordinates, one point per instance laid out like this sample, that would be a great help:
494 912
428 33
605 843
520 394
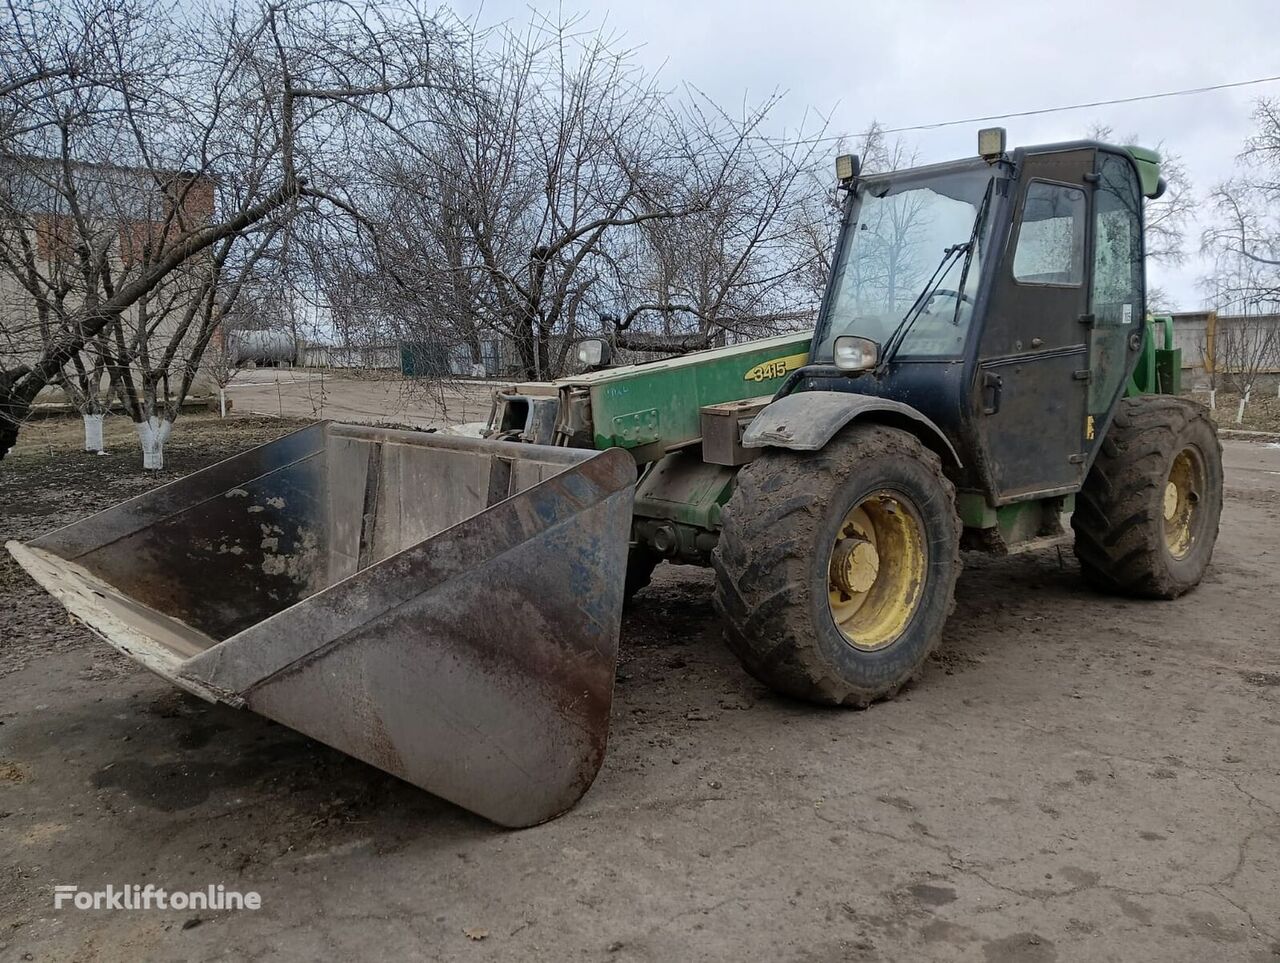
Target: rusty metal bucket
446 609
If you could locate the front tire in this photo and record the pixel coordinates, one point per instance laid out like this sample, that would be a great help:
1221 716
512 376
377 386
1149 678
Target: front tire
1147 517
836 569
641 561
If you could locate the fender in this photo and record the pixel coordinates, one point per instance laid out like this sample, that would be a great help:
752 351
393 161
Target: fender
807 420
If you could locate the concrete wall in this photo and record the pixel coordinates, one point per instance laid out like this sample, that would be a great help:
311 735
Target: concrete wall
1201 336
369 357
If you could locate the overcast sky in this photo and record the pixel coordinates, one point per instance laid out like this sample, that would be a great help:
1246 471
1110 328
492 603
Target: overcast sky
906 62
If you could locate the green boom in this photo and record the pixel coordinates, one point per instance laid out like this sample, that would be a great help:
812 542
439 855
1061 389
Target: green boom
659 402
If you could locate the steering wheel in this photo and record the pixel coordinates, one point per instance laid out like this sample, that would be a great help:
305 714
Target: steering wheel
955 294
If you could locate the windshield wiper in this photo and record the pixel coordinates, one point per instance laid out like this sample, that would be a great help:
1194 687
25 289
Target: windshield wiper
899 333
973 246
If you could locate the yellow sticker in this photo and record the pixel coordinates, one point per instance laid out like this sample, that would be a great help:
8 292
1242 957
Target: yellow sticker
775 368
1088 428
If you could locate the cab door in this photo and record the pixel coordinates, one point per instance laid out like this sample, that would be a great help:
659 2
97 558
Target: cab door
1032 377
1117 310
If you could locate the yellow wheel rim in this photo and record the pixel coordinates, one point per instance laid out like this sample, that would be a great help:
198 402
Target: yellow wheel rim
1182 500
876 570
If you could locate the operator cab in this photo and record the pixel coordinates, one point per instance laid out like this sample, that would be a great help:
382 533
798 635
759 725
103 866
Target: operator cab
1002 297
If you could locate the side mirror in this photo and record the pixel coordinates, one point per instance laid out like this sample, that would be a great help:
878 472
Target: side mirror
595 352
856 354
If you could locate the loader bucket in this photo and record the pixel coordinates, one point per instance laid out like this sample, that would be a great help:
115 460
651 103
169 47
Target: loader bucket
443 608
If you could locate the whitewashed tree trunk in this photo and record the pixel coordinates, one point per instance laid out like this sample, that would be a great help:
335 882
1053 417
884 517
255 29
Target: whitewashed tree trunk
93 433
1244 400
222 402
1213 399
153 433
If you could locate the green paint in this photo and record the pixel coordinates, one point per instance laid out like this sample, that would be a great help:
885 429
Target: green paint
1143 379
637 428
683 488
1018 523
974 510
1148 164
1158 370
1169 370
639 404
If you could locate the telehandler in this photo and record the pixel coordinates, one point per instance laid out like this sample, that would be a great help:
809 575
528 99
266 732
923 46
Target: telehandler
983 375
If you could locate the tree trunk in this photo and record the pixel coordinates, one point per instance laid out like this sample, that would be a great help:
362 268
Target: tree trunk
8 428
544 354
93 432
153 433
15 405
526 348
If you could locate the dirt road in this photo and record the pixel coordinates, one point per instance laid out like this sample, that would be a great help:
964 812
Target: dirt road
1074 778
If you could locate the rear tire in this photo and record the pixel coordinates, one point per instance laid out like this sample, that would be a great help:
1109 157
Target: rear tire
1147 517
782 531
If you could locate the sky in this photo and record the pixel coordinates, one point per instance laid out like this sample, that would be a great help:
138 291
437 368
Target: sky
908 62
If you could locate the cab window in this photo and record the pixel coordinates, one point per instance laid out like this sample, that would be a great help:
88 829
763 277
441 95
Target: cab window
1051 240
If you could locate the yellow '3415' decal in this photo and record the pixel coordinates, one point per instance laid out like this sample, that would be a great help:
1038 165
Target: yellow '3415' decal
775 367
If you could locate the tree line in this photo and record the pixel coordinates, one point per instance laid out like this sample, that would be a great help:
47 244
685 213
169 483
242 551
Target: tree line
165 171
169 173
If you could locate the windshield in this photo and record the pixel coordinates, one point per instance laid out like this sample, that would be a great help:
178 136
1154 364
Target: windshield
898 247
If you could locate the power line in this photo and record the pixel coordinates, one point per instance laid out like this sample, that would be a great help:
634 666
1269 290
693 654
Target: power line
1096 103
1189 91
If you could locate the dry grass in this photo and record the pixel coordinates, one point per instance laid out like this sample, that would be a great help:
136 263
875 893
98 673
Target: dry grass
63 434
1261 414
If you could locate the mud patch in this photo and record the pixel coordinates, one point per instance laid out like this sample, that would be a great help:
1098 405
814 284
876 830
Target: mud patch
13 772
180 785
1134 911
941 931
931 895
1261 679
1020 948
1080 878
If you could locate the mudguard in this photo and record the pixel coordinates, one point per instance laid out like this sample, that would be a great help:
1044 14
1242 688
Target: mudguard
807 420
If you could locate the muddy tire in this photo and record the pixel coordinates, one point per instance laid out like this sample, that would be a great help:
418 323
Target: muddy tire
1147 518
641 562
784 530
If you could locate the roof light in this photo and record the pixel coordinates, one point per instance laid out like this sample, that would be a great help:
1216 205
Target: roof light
847 168
991 143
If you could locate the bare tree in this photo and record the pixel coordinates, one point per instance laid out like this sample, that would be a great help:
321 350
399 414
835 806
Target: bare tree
737 267
567 193
1244 233
1246 338
1243 240
1206 346
495 214
1167 218
819 211
1247 346
162 155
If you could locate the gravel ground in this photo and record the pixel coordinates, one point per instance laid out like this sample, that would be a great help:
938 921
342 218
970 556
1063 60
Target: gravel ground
1075 777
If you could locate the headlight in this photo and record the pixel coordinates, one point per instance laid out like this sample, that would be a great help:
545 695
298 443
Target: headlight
856 354
594 352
